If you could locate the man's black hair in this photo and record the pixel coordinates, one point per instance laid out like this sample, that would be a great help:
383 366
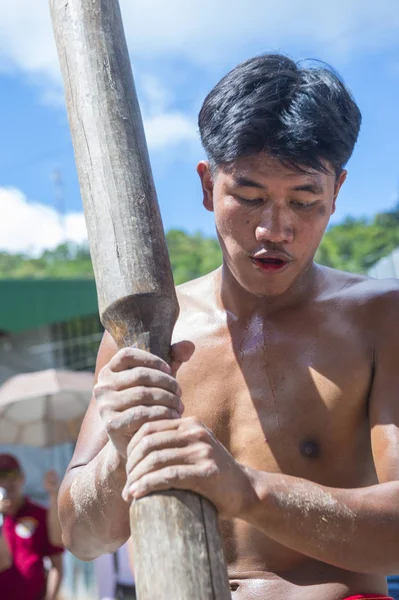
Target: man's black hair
303 116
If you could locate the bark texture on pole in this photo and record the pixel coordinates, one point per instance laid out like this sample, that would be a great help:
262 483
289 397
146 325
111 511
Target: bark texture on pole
178 550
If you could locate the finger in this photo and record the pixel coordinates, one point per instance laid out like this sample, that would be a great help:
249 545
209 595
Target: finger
192 428
139 396
172 477
152 443
139 376
148 429
129 421
127 358
157 460
181 352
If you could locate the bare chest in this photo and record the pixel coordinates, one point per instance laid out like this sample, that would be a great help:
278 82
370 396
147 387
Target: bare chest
285 401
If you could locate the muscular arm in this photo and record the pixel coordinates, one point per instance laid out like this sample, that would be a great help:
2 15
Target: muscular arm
134 387
356 529
94 518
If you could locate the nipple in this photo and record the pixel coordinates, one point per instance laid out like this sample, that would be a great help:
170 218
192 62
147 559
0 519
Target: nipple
310 449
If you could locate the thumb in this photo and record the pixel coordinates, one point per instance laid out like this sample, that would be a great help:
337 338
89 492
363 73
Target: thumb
180 353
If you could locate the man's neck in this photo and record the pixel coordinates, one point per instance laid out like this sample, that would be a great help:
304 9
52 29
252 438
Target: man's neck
241 304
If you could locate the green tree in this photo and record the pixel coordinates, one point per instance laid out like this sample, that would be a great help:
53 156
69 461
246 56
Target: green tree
353 245
357 244
192 255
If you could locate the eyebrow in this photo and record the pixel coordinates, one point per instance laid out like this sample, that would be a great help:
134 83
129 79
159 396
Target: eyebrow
312 188
242 181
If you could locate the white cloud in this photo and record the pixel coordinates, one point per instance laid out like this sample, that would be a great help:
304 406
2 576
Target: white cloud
26 38
157 98
207 32
169 129
164 126
32 227
210 33
213 31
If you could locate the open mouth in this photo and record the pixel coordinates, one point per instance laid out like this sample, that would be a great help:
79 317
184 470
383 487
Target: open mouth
270 264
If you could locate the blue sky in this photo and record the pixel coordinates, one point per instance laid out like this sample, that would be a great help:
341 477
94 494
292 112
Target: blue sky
179 50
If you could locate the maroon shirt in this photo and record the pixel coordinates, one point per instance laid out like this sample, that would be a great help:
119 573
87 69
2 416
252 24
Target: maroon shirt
27 537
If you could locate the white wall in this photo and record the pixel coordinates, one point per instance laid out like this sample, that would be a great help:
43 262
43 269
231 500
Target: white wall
387 267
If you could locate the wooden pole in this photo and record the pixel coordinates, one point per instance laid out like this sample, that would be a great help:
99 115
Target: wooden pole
178 550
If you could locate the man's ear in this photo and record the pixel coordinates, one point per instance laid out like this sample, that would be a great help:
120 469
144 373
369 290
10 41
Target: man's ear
205 175
338 185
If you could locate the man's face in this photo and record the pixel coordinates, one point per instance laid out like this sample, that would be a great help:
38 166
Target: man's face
12 482
270 219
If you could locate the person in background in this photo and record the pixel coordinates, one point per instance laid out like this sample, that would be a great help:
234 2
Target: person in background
30 533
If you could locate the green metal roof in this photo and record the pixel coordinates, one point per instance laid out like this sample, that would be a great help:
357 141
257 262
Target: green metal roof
29 303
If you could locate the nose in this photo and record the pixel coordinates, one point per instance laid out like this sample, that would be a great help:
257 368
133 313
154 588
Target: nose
274 227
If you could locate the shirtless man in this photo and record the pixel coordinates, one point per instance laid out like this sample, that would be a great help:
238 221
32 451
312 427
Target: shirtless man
289 372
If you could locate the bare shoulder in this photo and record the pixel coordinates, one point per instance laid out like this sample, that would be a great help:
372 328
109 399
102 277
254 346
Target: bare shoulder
197 305
356 287
373 302
196 293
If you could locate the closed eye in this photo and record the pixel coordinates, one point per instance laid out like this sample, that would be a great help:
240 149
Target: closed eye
303 205
249 201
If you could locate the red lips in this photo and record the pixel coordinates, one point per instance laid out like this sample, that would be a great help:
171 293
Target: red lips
270 264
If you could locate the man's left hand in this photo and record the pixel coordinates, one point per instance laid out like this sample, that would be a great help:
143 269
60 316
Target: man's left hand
184 454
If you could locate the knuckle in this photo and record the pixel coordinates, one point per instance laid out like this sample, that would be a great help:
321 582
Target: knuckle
159 364
175 386
172 413
158 413
155 459
172 473
141 374
145 444
124 354
210 468
112 425
147 428
141 394
194 429
170 402
206 451
127 422
103 373
163 412
193 422
100 389
200 433
139 414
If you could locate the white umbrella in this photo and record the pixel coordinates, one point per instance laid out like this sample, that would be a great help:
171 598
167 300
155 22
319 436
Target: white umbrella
44 408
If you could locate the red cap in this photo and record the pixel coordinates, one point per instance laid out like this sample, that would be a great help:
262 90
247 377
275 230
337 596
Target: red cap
9 463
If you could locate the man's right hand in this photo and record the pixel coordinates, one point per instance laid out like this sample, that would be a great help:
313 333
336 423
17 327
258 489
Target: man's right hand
136 387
